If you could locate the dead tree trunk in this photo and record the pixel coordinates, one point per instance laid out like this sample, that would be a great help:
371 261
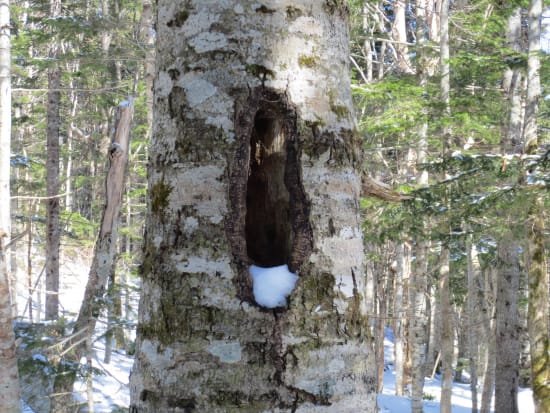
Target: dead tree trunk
103 261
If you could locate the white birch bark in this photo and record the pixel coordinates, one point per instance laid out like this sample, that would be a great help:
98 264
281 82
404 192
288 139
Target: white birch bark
241 86
473 320
447 318
399 35
418 286
403 256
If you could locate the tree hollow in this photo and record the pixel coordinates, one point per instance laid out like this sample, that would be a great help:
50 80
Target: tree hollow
270 211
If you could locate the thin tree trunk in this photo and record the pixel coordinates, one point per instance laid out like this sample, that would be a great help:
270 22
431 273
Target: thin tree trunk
447 330
148 38
399 34
104 256
381 299
473 320
507 326
447 319
489 326
417 328
52 177
367 44
433 354
530 136
89 373
5 140
402 276
29 266
418 284
507 297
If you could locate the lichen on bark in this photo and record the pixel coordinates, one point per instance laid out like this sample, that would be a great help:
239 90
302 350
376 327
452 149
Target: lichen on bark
256 160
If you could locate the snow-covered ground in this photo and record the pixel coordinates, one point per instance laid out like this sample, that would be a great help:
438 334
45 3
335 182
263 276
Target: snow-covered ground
461 398
111 393
111 390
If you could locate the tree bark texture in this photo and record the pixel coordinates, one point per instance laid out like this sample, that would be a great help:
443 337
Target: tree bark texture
447 319
473 319
5 121
530 138
9 376
52 204
418 285
537 316
403 257
447 331
103 262
399 34
507 327
53 233
489 329
253 161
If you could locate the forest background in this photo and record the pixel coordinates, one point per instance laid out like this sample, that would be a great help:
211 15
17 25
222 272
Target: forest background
456 176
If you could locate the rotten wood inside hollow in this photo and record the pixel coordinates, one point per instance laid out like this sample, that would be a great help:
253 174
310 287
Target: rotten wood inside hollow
270 211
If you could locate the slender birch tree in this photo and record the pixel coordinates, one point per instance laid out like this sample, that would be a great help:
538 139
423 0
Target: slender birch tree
447 319
418 285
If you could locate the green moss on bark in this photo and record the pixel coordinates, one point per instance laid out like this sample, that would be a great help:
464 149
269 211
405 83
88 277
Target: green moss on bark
160 194
309 61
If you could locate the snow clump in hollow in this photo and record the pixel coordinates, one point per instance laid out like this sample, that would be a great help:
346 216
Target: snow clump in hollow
272 285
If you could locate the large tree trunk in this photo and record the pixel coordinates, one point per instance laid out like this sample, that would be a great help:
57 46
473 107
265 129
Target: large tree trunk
253 161
103 262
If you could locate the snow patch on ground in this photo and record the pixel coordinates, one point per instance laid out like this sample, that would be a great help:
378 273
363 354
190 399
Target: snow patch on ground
461 400
111 391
